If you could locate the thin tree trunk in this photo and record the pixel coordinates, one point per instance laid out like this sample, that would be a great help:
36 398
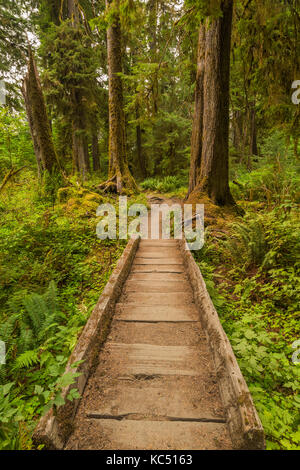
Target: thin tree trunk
139 148
214 172
153 14
119 174
253 133
296 142
81 161
38 120
197 131
95 152
237 129
73 12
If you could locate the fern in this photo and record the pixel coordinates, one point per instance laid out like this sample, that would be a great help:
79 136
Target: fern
27 359
50 298
26 340
248 243
36 309
42 313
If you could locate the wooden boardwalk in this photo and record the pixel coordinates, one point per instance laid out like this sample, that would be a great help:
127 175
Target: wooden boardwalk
155 385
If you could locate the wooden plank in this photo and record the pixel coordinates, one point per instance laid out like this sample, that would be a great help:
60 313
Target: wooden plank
192 398
150 359
158 243
161 313
156 298
157 286
158 253
111 434
157 268
155 276
141 260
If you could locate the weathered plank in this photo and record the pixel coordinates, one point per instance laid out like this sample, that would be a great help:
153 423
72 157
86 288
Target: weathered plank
159 313
150 359
111 434
157 286
155 298
158 261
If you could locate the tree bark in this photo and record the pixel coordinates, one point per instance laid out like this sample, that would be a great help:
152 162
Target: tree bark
81 160
73 12
296 142
95 152
237 125
38 120
214 172
119 174
253 133
197 131
139 148
80 150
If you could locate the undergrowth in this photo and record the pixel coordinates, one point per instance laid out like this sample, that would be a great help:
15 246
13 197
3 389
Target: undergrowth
252 275
52 270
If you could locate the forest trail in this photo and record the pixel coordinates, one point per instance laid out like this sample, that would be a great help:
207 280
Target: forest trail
155 385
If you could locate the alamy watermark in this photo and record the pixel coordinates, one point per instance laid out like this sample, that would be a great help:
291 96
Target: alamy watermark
2 353
2 92
160 222
296 94
295 358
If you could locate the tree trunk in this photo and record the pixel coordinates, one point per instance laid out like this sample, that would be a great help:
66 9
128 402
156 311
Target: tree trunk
119 174
153 16
237 129
81 160
95 152
73 12
197 131
38 120
214 173
296 142
140 155
253 133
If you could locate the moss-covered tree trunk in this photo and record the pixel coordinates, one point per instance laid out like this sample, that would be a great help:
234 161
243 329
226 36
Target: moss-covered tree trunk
213 178
38 120
120 177
197 131
80 151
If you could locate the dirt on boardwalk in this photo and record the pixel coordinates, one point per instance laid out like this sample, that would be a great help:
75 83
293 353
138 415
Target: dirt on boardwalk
155 385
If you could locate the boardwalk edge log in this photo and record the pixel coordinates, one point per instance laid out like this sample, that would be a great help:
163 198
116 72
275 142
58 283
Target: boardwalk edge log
243 421
53 429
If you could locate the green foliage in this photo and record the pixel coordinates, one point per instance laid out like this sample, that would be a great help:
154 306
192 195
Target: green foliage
15 141
52 271
164 185
10 415
274 178
249 242
253 281
265 360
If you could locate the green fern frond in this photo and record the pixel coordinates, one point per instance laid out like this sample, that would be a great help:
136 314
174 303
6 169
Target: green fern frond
26 340
27 359
50 298
36 311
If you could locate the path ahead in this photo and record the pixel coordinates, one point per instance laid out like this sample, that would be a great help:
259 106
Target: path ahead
155 385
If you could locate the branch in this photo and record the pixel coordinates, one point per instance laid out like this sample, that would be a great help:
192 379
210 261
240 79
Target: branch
12 172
